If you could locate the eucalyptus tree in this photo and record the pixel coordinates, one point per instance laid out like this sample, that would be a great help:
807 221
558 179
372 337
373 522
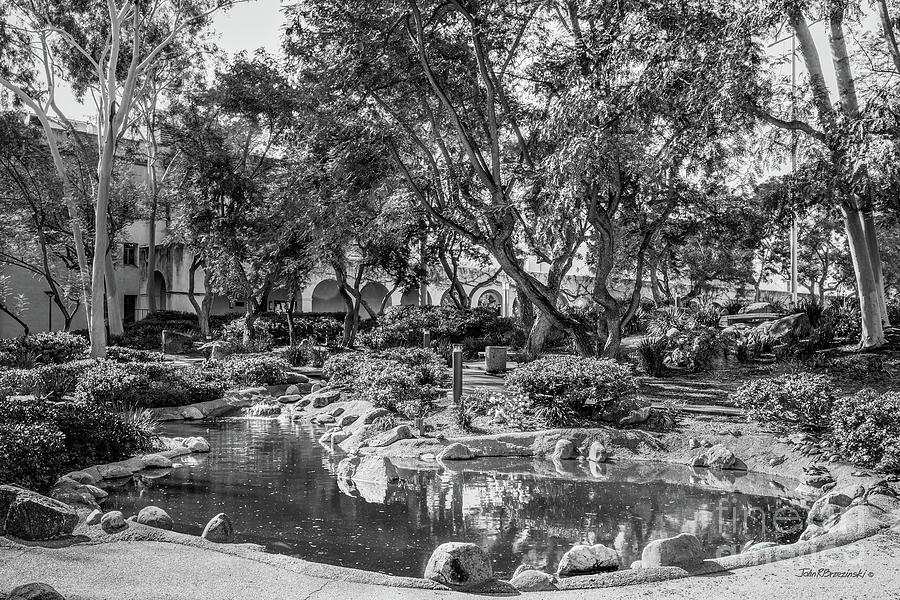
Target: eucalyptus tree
846 135
531 128
104 50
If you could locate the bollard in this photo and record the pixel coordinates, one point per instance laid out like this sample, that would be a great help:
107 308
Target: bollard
457 373
426 339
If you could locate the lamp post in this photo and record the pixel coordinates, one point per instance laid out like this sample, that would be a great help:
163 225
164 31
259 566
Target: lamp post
49 309
457 373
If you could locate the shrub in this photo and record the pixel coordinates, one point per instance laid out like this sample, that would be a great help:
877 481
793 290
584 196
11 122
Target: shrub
507 408
866 428
40 439
844 317
55 347
695 349
800 400
306 353
476 328
148 385
429 367
53 381
256 370
653 354
128 355
146 334
262 340
666 318
567 389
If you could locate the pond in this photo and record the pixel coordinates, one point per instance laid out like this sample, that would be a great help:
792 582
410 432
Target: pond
277 484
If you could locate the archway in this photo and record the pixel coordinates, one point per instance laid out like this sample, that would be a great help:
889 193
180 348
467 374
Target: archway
491 299
374 294
159 285
411 298
326 298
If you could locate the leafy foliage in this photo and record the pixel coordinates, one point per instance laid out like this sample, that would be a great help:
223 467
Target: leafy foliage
865 427
800 400
255 370
565 390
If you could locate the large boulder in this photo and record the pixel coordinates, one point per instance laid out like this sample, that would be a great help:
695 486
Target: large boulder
456 451
564 450
220 529
323 398
386 438
459 565
153 516
289 398
583 560
34 591
375 469
827 506
156 461
81 477
598 452
346 420
197 444
531 580
375 413
174 342
31 516
791 327
719 456
114 471
636 416
113 522
683 550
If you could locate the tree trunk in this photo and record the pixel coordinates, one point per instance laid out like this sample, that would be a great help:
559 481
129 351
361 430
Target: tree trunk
537 336
888 31
154 201
872 330
15 317
351 318
249 322
101 242
871 234
292 337
202 315
526 310
116 327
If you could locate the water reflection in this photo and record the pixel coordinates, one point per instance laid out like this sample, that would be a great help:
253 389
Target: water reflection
277 484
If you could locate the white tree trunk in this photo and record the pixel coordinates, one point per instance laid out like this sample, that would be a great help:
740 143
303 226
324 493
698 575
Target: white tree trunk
113 309
872 330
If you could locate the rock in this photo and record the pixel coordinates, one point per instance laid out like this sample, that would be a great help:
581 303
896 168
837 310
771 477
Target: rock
197 444
720 457
683 550
337 411
376 469
323 398
219 529
325 419
859 474
339 436
693 443
455 451
791 327
812 531
175 452
774 462
289 398
636 565
325 439
698 461
153 516
598 452
94 517
531 580
347 467
156 461
400 432
113 522
564 450
34 591
113 471
584 560
459 565
192 413
636 416
31 516
81 477
817 481
96 492
375 413
346 420
758 307
316 387
296 388
174 342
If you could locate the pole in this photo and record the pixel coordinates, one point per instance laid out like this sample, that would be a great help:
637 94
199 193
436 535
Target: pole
794 240
457 373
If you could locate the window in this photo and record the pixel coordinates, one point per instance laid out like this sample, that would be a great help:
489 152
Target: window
129 255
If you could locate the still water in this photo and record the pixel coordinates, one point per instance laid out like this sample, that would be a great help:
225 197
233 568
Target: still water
278 485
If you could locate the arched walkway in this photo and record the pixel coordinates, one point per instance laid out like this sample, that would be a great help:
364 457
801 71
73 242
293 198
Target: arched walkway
325 297
159 285
411 298
374 294
491 299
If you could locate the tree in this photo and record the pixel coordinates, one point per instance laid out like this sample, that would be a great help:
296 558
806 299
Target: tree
107 49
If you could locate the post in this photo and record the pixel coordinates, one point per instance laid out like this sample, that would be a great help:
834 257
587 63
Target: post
426 339
49 309
457 373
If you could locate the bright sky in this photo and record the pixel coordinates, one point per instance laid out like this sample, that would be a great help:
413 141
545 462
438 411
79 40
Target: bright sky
246 26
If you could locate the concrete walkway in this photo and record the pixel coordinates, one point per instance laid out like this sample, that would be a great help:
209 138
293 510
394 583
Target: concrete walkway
157 570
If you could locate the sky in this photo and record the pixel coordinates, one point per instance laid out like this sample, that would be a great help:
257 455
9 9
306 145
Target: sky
246 26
